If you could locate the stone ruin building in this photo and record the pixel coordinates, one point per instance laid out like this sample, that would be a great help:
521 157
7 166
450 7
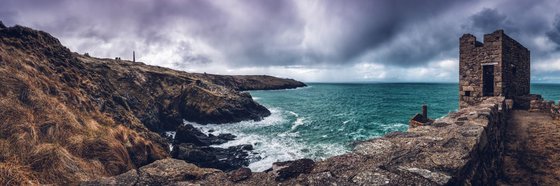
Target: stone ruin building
498 67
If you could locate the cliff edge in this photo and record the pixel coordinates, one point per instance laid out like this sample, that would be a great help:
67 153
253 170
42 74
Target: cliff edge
68 117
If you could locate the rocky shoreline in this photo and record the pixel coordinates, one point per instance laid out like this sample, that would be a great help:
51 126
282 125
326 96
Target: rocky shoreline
463 148
193 146
90 117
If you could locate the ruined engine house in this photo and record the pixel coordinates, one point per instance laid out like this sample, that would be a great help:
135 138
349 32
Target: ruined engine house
498 67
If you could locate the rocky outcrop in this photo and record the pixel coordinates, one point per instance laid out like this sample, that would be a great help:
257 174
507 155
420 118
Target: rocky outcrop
252 82
225 159
220 105
193 146
68 117
240 174
464 148
190 134
161 98
291 169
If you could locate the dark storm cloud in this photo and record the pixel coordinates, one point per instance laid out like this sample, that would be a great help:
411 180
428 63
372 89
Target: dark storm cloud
264 33
369 25
554 33
489 20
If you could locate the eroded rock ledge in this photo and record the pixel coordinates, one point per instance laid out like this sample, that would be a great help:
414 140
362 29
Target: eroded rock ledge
462 148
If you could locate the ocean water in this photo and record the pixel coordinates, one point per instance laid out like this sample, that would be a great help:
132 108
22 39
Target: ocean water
323 120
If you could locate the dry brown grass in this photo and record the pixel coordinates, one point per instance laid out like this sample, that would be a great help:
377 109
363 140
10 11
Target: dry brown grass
53 133
15 174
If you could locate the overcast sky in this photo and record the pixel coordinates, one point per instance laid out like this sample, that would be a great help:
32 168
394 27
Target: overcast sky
309 40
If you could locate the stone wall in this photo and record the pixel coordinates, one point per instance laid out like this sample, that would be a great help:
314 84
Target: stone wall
464 148
537 104
510 61
517 75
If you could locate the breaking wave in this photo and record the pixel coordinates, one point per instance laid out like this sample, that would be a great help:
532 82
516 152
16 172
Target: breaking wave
272 141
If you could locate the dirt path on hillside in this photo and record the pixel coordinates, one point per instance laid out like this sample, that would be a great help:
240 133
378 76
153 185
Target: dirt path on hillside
532 150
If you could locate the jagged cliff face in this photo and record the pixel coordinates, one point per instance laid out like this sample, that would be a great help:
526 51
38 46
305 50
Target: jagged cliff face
65 117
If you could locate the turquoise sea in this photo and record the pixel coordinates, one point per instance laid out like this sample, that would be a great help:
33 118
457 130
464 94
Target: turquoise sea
324 119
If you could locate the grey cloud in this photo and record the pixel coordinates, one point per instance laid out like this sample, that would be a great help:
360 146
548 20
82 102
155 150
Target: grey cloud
262 33
364 26
554 34
489 20
371 25
189 58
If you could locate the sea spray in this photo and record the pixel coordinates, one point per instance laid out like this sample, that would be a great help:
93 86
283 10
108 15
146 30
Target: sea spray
278 144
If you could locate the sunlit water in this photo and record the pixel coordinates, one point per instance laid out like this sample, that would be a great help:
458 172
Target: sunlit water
323 120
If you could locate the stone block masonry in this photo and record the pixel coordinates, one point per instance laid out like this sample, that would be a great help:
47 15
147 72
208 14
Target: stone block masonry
498 67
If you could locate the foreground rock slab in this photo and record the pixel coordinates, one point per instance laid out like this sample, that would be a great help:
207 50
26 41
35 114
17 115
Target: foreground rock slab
161 172
291 169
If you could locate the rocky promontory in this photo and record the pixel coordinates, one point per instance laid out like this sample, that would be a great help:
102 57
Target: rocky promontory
68 117
252 82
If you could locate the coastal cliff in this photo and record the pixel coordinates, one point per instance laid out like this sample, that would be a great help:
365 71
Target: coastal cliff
68 117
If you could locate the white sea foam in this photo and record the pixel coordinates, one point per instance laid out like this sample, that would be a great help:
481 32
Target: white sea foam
274 118
278 90
298 88
392 126
272 148
359 134
298 122
170 134
293 113
341 129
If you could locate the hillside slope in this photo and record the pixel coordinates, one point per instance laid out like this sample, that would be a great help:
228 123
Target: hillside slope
65 117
